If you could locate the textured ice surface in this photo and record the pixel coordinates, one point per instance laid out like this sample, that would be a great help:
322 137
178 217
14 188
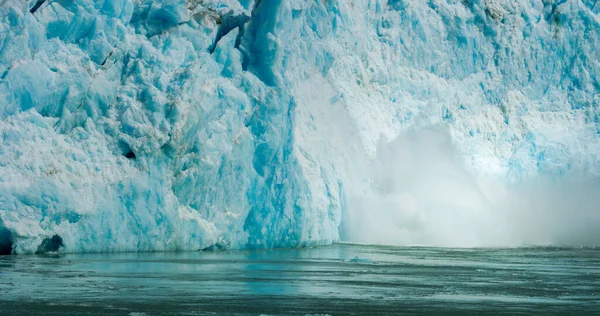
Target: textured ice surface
181 124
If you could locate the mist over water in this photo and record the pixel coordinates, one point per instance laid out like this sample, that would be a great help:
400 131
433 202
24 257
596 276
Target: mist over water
420 192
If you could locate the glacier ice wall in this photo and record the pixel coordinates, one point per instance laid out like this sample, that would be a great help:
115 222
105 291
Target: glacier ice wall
184 124
149 126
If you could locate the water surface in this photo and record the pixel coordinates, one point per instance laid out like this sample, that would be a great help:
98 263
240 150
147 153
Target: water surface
342 279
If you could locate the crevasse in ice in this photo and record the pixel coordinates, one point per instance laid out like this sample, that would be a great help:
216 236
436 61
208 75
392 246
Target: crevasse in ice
184 124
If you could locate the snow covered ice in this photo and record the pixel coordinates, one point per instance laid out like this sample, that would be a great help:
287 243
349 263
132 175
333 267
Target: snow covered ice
185 124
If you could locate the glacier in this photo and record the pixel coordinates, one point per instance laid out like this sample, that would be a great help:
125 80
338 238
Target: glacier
221 124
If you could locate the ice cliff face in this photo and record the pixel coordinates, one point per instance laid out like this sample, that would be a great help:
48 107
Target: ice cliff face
138 125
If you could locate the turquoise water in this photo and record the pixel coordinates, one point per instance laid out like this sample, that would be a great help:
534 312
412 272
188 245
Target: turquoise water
342 279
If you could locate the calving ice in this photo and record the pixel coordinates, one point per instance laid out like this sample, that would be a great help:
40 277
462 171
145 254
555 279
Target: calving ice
184 125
